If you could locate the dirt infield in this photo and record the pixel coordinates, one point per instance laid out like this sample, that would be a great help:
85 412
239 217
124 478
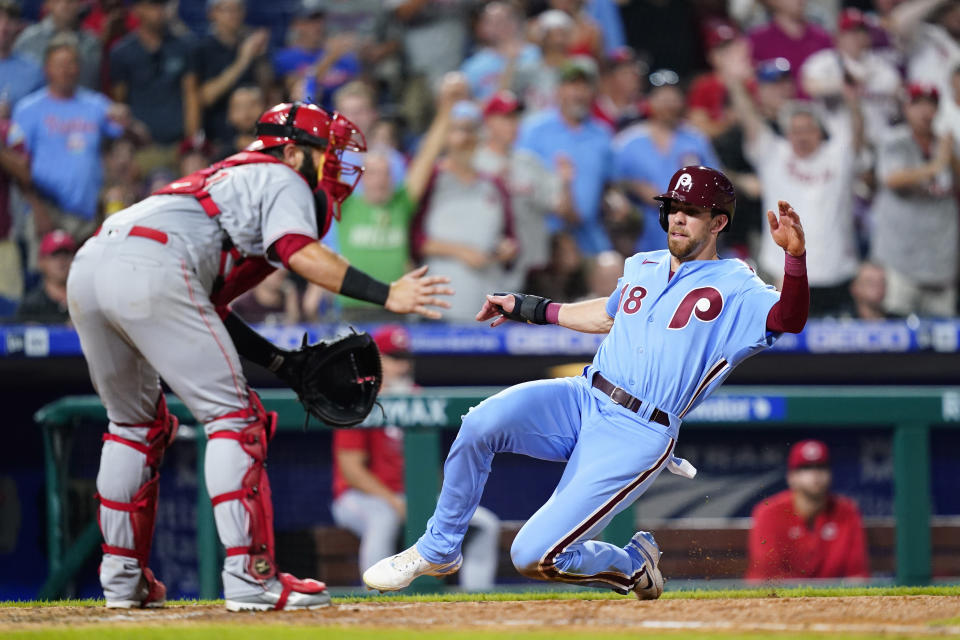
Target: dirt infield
890 615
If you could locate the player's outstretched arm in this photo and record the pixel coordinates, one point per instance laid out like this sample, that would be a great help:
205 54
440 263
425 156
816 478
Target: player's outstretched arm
415 292
587 317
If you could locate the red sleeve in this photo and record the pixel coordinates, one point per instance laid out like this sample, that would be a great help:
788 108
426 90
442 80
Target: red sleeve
349 439
789 314
242 278
763 561
288 245
417 235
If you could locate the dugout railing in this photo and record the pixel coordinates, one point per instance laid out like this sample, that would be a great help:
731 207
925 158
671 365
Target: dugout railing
911 412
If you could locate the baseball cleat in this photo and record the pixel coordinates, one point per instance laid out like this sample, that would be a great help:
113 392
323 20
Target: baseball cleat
650 586
396 572
284 593
151 594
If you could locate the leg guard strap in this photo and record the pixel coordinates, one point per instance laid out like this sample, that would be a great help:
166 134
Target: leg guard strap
143 513
160 433
290 584
254 494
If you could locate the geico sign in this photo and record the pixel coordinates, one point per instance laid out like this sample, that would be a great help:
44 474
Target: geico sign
827 338
550 341
413 412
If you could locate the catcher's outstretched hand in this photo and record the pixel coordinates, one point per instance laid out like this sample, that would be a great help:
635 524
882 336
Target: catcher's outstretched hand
416 292
491 308
787 232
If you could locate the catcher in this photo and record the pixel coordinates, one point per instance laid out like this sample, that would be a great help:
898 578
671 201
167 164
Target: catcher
148 295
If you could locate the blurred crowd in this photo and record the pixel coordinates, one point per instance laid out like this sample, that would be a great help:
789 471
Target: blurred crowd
513 145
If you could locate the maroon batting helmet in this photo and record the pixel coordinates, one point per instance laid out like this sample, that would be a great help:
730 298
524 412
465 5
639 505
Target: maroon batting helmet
701 186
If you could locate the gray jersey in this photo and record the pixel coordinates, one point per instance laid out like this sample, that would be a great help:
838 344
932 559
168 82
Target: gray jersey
259 203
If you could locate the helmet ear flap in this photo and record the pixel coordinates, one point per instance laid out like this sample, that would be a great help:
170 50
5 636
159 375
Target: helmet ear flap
664 212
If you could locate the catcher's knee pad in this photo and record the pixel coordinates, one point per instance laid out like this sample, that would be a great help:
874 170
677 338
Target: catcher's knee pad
143 506
254 493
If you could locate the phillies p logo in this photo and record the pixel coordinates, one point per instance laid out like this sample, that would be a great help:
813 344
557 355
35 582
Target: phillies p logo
705 303
683 182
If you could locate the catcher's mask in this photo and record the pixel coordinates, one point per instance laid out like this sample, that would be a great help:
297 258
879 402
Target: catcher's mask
303 123
701 186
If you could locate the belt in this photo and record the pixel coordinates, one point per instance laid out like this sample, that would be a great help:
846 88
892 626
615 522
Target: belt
625 400
143 232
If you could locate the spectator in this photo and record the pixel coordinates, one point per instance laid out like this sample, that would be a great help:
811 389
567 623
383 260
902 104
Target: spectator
806 531
226 58
275 301
355 101
604 272
773 88
930 32
647 154
564 278
825 73
149 71
47 301
464 226
790 35
606 14
122 180
195 155
314 66
14 167
570 131
553 32
374 230
707 98
868 291
368 486
109 21
813 173
506 60
619 100
434 42
587 36
534 191
62 128
377 36
915 234
63 16
244 108
19 74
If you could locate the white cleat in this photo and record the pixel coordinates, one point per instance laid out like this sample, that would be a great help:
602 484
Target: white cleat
285 593
650 586
396 572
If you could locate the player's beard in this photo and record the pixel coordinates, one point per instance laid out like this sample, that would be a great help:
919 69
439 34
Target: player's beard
308 169
683 248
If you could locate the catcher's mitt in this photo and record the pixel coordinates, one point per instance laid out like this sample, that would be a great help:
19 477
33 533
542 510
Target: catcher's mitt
336 381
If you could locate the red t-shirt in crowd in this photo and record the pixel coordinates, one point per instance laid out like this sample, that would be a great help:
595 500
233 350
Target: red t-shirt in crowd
770 41
384 449
781 545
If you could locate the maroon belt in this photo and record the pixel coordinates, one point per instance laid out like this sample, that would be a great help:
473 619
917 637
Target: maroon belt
626 400
144 232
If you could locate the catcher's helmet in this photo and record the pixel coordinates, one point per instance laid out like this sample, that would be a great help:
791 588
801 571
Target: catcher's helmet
307 124
701 186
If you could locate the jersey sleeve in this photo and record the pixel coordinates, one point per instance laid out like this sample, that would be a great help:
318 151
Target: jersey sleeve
286 207
613 302
748 325
349 440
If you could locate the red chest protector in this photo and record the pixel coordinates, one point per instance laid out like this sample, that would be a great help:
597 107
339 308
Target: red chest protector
247 271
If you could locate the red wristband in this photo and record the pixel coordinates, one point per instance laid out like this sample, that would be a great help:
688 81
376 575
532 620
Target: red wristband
553 313
795 265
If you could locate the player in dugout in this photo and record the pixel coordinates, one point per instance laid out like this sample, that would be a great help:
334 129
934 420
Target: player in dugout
678 322
806 531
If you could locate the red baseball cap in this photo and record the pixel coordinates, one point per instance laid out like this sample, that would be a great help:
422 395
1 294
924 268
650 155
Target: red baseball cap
393 340
719 32
502 103
57 240
851 19
808 453
919 91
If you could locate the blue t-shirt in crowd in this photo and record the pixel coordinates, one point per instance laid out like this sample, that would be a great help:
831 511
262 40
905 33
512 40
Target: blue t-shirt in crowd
607 16
297 60
588 146
636 157
483 69
63 138
19 76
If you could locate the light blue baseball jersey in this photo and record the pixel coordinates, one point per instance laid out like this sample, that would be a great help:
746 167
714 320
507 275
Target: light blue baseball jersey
674 340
